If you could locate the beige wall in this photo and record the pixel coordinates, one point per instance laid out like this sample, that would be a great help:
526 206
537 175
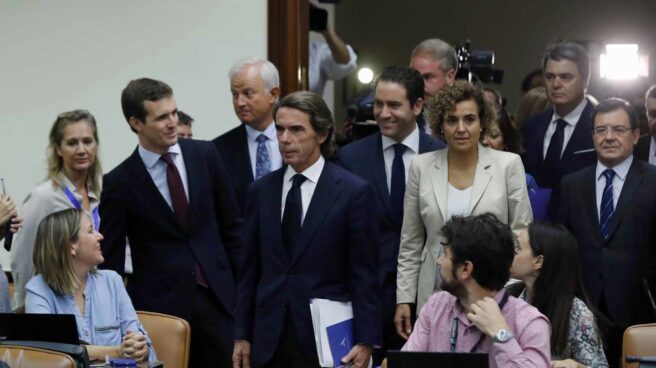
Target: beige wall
62 55
384 32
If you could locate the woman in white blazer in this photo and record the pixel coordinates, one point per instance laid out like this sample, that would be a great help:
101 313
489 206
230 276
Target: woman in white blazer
464 179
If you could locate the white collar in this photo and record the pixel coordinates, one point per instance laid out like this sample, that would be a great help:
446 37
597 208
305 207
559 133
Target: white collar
151 158
312 173
573 117
269 132
621 170
411 141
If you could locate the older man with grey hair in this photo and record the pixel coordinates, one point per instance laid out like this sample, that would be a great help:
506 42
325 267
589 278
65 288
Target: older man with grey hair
437 63
251 149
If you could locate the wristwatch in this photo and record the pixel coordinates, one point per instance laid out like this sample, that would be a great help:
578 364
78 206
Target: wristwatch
502 336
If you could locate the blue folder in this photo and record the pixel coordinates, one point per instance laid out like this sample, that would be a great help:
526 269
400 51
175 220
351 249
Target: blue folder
340 339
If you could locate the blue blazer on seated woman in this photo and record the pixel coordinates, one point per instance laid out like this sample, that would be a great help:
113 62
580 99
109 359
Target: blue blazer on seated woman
66 254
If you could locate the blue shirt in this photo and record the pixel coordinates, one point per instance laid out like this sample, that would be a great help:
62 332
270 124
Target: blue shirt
108 310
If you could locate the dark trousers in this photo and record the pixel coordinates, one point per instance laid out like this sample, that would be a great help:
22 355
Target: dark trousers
288 354
391 339
612 336
212 339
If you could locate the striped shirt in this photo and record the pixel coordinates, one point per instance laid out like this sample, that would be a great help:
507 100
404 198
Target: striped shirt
529 348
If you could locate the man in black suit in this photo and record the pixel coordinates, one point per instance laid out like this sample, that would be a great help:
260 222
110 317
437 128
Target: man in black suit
310 232
646 148
250 150
558 141
172 202
611 209
383 160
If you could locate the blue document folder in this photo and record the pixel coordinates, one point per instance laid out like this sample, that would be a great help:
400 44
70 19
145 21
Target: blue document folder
340 339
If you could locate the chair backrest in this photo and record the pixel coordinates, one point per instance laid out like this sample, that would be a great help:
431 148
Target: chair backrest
170 335
638 340
29 357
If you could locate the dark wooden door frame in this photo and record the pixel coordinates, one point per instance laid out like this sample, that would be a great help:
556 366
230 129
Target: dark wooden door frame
288 42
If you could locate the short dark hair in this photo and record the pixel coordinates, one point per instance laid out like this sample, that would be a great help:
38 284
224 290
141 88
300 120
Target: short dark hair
184 119
651 93
612 104
409 78
526 82
497 95
140 90
571 51
486 242
321 118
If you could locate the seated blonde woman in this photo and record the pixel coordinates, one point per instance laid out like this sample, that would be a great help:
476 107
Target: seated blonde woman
66 253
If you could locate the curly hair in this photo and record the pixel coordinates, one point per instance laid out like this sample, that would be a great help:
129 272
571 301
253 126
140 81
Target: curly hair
445 101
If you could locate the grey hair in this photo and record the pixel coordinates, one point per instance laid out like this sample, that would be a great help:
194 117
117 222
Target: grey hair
268 71
571 51
438 50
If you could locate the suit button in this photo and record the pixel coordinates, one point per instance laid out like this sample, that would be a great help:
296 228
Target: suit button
282 305
290 275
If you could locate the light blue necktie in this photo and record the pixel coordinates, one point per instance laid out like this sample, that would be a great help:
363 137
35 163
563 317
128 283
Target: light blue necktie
263 160
606 212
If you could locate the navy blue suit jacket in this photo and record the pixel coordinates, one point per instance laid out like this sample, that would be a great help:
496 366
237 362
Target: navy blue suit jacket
233 148
164 255
578 153
365 159
616 266
641 150
334 258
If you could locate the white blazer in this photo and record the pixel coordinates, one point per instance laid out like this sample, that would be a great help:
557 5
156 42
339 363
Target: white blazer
499 188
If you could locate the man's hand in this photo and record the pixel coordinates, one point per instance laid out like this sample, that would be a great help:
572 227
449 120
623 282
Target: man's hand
487 317
402 320
359 356
134 346
241 354
567 363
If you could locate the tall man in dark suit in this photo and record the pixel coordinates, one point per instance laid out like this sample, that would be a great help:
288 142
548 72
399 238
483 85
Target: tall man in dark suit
172 202
646 148
383 159
611 209
558 141
310 232
250 150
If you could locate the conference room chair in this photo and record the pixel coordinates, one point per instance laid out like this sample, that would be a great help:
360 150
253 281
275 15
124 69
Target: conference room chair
638 340
170 335
29 357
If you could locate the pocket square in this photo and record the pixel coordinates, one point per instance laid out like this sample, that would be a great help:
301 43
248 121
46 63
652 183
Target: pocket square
583 151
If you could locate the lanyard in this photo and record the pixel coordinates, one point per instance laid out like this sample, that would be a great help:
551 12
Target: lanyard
454 328
74 202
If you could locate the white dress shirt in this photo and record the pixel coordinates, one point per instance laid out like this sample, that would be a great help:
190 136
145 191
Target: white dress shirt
157 170
322 67
572 118
619 179
312 175
271 144
652 151
412 144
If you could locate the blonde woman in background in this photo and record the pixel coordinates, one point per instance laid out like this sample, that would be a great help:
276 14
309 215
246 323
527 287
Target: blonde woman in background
73 181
